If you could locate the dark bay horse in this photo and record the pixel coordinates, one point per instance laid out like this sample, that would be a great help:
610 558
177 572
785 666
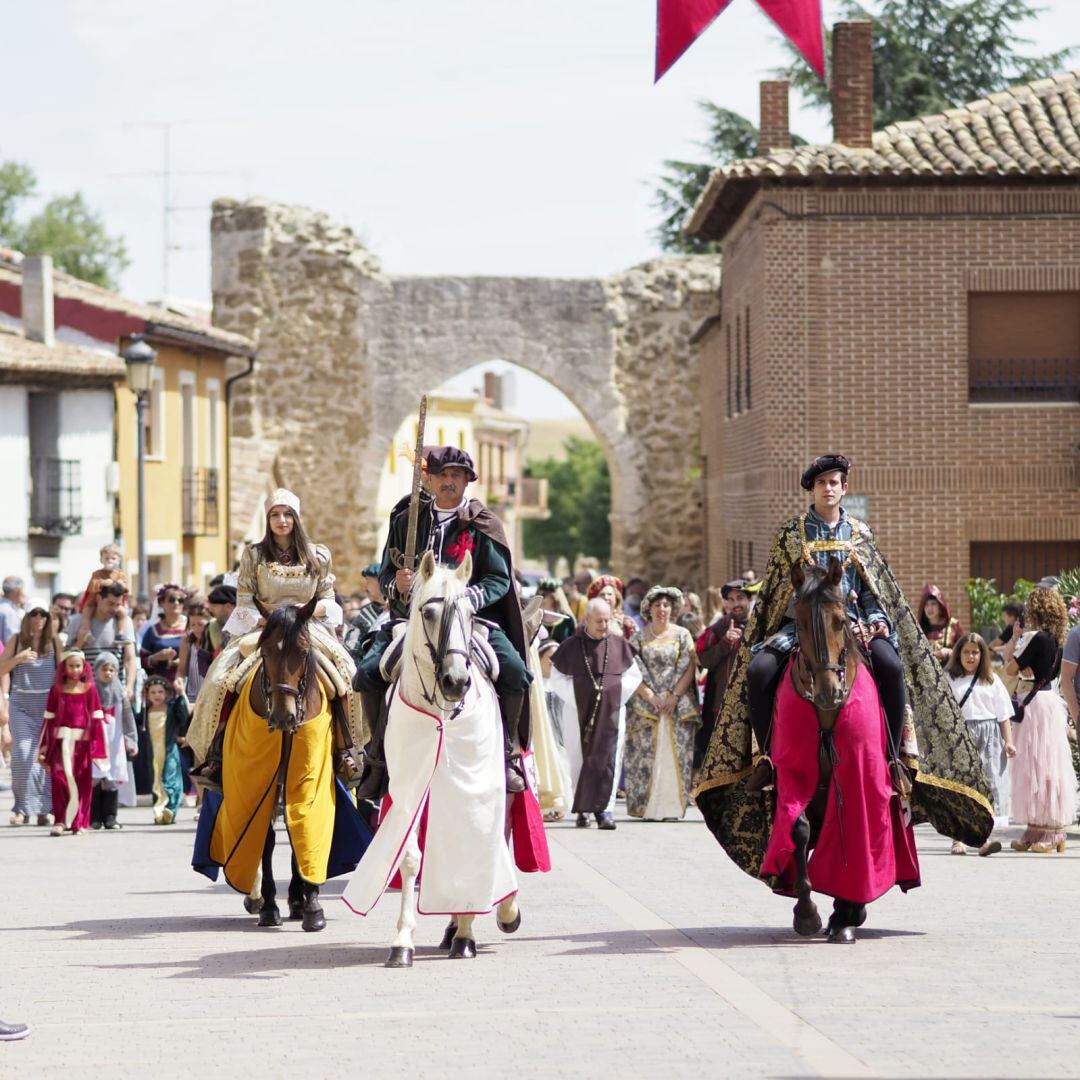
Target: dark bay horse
823 672
285 693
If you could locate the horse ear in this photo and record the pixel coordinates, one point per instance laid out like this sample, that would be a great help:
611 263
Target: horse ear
798 575
464 571
427 565
305 613
261 608
835 572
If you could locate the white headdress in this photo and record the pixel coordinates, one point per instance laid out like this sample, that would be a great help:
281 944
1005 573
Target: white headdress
283 497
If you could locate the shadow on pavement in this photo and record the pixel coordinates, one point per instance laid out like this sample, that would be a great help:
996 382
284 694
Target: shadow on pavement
726 937
273 962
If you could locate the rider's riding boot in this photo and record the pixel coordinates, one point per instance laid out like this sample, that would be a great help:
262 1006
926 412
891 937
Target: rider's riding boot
375 781
208 774
511 705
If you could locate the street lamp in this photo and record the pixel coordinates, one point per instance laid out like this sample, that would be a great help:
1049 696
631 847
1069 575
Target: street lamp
139 358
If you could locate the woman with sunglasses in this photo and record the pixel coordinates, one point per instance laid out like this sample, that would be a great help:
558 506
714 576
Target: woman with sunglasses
30 656
160 650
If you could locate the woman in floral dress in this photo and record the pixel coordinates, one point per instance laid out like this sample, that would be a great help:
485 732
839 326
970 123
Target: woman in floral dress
663 715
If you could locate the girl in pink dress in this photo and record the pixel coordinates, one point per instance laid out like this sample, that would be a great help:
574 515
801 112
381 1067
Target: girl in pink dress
72 739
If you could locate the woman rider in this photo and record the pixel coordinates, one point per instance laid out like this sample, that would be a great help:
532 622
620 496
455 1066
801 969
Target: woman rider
284 567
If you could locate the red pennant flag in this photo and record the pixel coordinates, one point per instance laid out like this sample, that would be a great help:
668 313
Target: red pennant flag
679 23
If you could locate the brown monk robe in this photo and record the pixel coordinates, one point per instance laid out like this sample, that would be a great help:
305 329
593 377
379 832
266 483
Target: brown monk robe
595 677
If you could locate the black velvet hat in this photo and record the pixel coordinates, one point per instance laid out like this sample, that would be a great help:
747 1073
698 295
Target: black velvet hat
824 464
449 457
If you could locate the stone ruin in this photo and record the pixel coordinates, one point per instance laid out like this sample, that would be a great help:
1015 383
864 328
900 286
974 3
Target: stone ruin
344 352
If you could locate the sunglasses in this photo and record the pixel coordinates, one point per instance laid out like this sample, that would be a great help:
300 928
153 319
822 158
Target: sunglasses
174 599
38 611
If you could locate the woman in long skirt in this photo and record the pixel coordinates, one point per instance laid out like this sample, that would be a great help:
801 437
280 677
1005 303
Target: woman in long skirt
30 656
663 716
1043 777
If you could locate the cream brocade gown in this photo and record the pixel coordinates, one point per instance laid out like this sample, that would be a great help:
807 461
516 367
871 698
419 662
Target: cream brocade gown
275 585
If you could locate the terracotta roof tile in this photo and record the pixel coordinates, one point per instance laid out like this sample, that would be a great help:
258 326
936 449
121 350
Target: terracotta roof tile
22 360
1029 131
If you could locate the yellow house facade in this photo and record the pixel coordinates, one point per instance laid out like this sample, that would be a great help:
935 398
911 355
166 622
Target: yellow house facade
187 467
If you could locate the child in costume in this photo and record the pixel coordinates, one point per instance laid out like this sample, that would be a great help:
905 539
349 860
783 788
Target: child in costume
121 742
72 739
109 571
167 720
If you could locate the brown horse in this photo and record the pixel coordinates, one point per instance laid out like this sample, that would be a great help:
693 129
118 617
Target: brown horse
285 694
823 672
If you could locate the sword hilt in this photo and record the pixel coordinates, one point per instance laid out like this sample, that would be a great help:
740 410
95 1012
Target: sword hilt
403 561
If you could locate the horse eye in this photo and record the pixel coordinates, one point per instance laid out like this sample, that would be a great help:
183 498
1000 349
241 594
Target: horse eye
429 614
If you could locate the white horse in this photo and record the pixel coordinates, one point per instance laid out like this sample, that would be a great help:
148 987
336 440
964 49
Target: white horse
444 749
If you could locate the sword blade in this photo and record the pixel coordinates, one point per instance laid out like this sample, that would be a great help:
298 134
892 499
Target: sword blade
414 500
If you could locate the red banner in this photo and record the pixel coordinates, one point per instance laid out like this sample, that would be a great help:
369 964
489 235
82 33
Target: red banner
679 23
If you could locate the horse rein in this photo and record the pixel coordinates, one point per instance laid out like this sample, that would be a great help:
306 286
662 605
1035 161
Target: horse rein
298 692
439 649
820 648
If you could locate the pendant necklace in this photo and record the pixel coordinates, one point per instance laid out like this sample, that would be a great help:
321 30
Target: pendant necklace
597 683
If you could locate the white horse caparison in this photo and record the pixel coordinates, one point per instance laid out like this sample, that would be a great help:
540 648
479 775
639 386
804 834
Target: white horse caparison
437 675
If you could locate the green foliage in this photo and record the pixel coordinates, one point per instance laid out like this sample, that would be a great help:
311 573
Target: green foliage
1069 584
66 228
931 55
987 602
730 137
579 498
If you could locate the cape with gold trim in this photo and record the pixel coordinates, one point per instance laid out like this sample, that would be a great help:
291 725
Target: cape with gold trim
950 790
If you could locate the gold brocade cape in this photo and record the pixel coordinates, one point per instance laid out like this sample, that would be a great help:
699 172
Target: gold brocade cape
950 790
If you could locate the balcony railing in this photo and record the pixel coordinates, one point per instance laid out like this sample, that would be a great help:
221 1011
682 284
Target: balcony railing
201 493
55 497
1018 380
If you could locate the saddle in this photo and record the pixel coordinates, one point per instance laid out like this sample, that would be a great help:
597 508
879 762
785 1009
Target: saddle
480 652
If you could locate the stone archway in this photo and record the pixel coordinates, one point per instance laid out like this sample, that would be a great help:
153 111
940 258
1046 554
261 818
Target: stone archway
344 352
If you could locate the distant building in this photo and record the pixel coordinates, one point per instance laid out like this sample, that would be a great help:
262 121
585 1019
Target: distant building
68 432
910 298
547 438
493 437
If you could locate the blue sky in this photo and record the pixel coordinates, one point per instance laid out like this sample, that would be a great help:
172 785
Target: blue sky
477 136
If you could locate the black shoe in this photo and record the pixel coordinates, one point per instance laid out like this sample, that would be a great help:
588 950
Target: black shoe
13 1032
375 783
96 809
605 820
110 804
515 782
582 822
763 776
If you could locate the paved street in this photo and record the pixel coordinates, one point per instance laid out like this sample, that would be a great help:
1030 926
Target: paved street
643 953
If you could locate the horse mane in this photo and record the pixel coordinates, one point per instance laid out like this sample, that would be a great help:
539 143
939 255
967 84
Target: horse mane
286 622
814 582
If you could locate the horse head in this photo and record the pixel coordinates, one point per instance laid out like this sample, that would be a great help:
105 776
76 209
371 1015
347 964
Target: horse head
440 626
288 667
827 654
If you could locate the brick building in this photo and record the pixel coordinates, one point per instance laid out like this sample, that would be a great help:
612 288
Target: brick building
911 298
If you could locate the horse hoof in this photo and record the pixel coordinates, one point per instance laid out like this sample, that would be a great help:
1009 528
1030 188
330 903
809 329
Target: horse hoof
296 910
314 920
462 948
253 904
808 926
270 916
448 936
512 926
842 935
400 957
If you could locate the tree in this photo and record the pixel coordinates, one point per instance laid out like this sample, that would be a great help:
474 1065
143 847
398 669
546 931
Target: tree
66 228
579 499
731 137
929 55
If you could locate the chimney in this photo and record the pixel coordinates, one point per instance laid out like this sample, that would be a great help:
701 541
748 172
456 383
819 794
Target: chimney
37 299
774 129
853 83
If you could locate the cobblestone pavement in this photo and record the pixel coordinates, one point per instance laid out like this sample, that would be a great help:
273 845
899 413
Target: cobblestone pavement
644 953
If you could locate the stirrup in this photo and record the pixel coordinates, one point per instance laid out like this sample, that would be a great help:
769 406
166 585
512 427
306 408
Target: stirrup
208 776
515 782
347 769
900 778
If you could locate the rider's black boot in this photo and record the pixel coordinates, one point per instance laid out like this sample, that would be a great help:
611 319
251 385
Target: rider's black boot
511 705
375 781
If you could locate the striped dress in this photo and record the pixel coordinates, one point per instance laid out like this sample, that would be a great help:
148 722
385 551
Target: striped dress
30 685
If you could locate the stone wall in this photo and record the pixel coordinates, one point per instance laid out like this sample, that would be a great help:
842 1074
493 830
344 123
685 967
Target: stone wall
344 352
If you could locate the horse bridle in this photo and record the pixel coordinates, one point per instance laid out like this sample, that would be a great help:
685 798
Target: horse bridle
439 649
298 692
820 647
